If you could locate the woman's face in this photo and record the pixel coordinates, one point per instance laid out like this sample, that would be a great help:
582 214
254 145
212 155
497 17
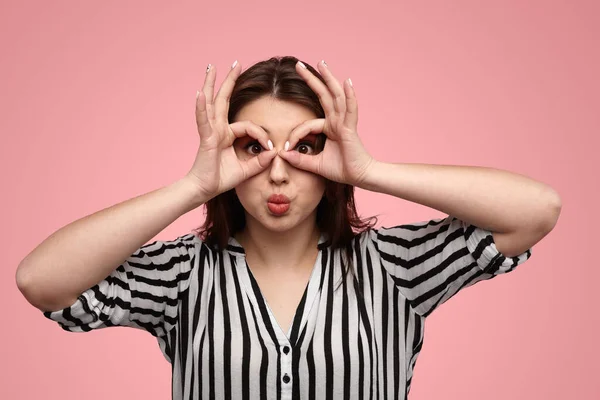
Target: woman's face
304 189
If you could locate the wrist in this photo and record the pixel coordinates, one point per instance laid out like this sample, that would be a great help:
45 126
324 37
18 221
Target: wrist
371 177
189 193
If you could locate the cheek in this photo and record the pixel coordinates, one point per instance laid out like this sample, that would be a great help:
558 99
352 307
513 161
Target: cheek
316 190
247 193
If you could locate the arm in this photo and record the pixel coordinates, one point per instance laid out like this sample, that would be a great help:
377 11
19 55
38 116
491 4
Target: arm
83 253
518 210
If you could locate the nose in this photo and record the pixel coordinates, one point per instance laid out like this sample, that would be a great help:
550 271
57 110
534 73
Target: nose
278 172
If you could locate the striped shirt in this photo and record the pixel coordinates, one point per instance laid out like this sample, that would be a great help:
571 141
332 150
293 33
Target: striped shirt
359 340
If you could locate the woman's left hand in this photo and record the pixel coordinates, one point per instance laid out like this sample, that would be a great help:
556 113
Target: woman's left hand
343 159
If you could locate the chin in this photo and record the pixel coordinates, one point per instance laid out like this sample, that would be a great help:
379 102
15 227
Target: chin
281 228
279 223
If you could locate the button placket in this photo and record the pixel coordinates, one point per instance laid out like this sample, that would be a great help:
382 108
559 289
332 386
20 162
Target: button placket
286 366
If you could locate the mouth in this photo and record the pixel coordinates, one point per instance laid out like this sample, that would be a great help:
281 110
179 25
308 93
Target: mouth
278 199
278 204
278 208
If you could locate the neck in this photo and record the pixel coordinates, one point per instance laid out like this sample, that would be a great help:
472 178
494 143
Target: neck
279 250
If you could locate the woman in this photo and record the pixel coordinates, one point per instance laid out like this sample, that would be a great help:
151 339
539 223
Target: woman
287 293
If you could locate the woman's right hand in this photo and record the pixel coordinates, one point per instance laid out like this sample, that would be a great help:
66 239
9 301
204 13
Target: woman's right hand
217 168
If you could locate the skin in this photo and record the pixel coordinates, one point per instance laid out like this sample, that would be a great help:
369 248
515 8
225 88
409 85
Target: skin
284 242
517 210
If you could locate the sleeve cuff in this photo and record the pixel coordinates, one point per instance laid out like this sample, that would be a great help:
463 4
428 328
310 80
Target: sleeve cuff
75 317
480 244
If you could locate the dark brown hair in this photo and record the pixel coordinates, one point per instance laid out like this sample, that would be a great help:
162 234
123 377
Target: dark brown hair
336 212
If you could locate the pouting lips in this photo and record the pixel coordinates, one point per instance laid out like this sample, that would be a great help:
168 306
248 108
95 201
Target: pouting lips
278 199
278 209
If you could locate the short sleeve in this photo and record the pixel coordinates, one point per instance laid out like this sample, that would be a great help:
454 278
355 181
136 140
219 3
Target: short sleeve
142 292
431 261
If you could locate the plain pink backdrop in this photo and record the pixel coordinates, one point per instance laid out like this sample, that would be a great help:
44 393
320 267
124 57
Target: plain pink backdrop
98 107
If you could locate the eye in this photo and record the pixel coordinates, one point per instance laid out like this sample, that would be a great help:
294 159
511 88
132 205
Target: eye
304 145
253 145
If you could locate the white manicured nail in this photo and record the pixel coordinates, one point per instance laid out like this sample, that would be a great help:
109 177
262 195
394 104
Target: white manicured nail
287 146
270 145
234 64
324 63
302 64
350 82
208 68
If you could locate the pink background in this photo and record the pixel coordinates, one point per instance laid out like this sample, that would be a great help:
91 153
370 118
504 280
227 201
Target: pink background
98 107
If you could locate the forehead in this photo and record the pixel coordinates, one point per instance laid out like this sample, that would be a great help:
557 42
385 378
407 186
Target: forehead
274 114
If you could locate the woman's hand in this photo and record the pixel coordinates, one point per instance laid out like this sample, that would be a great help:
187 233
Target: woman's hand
343 159
217 167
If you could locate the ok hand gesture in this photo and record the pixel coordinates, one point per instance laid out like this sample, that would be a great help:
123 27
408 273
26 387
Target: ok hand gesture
217 167
344 159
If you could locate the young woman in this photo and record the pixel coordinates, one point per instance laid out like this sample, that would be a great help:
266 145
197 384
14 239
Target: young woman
286 293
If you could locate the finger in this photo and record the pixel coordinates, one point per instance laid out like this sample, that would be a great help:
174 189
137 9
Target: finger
247 128
312 126
224 94
256 164
208 89
202 117
305 162
351 117
318 87
339 98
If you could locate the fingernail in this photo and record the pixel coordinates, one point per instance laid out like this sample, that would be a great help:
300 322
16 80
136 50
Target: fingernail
270 145
197 94
302 64
350 82
208 68
287 146
324 63
234 64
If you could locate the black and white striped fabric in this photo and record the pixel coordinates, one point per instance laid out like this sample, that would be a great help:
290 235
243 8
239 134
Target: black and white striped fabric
358 340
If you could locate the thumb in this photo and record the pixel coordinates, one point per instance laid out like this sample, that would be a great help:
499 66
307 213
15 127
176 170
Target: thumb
256 164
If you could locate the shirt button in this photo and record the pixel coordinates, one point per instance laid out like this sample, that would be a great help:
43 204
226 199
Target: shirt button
286 378
286 349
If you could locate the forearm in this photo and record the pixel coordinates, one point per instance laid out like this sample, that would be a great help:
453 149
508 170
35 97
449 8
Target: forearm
495 200
81 254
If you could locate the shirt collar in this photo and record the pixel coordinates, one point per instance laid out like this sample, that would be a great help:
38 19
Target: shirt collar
235 248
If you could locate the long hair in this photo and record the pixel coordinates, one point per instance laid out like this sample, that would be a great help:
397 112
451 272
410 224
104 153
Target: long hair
336 212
